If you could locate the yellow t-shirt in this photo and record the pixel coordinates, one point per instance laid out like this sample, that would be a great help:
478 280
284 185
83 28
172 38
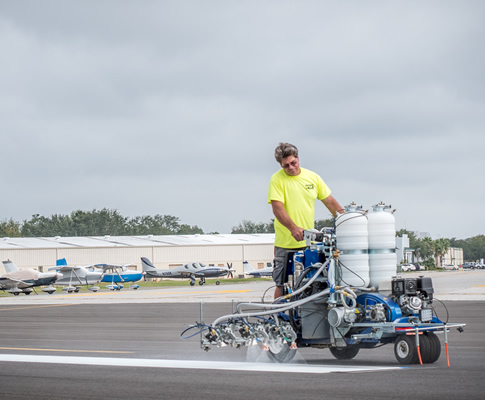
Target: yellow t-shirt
298 194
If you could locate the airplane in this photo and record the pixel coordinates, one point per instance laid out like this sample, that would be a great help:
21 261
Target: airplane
17 281
257 273
79 275
191 270
119 273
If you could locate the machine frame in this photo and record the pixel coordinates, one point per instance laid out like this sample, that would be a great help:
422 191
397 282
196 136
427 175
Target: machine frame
319 310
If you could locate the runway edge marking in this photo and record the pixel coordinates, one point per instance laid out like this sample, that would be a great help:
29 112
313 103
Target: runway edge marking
190 364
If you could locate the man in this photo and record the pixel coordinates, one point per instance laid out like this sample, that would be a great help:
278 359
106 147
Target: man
292 193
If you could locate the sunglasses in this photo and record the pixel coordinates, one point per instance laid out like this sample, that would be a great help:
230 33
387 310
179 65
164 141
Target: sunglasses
294 163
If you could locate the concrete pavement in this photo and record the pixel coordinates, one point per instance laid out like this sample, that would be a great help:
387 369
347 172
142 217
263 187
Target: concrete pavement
448 285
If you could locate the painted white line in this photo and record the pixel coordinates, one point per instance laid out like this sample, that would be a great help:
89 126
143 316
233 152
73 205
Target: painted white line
185 364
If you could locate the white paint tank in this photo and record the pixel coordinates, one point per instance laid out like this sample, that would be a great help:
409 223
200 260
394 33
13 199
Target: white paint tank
351 230
382 244
352 241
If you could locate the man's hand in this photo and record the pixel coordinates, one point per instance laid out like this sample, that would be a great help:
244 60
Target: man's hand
282 216
297 233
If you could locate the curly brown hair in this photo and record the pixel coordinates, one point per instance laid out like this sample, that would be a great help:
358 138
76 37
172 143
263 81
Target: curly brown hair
284 150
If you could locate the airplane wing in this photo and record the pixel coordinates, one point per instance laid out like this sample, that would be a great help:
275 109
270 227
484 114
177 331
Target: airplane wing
201 274
188 274
191 274
111 269
63 268
9 283
198 274
69 268
268 271
107 267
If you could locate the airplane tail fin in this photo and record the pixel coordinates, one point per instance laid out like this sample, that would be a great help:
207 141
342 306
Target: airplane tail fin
247 267
147 265
10 266
61 261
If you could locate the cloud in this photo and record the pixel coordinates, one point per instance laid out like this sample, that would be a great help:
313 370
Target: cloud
175 107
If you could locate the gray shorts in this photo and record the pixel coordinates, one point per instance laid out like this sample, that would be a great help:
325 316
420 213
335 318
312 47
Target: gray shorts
279 269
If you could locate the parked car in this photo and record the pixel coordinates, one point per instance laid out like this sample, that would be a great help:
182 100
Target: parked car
408 267
468 265
449 266
418 267
479 266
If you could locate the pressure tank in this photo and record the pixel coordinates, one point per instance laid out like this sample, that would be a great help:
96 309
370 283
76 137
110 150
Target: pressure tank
352 241
382 244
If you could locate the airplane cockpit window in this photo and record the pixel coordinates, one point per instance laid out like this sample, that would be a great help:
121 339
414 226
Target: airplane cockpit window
195 265
186 267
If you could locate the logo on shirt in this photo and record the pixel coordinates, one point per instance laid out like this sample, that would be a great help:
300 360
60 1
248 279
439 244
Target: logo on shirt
310 186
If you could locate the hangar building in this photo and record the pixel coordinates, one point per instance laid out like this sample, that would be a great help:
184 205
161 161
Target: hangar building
165 252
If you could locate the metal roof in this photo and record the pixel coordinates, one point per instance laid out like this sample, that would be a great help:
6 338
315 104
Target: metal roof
135 241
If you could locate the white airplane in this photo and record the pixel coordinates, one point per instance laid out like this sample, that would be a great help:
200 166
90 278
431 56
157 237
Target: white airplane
18 281
191 270
77 275
257 273
117 274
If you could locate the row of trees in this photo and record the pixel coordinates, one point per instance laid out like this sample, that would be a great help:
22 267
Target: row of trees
268 227
432 251
427 249
96 223
111 222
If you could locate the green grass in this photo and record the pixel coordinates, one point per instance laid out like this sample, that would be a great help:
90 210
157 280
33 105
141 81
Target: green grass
185 282
161 283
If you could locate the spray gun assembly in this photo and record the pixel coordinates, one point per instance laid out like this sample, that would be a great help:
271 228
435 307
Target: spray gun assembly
342 293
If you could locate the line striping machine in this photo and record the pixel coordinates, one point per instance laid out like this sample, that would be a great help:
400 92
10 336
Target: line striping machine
342 293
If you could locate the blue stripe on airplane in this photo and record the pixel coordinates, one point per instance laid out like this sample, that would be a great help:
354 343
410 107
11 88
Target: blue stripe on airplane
126 277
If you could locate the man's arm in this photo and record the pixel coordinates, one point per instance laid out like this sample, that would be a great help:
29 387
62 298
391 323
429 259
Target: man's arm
283 217
332 205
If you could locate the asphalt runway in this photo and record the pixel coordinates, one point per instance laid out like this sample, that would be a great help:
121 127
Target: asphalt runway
448 285
68 349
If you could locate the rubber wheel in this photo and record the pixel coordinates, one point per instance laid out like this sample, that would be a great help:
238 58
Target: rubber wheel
405 350
345 353
424 349
201 283
434 346
192 283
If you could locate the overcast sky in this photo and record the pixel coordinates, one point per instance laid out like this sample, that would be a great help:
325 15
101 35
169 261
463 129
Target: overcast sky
175 107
